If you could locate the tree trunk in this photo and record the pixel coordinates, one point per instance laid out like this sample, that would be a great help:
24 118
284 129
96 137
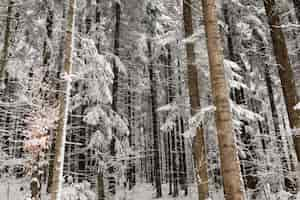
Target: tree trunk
230 166
199 144
100 186
63 108
285 71
100 177
131 162
7 33
155 126
59 62
275 118
297 9
112 181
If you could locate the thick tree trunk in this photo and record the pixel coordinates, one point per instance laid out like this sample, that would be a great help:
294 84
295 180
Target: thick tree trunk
193 85
7 33
285 71
63 109
155 125
230 166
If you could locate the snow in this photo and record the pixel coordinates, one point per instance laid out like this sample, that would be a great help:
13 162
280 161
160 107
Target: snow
243 112
145 192
297 107
12 189
193 38
197 119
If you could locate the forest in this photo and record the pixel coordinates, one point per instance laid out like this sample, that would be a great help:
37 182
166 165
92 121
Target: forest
149 99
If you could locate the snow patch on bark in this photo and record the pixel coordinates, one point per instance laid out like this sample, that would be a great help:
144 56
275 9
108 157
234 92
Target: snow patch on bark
297 107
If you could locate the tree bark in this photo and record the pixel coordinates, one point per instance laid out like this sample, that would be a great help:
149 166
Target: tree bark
230 166
112 181
193 85
4 53
286 73
63 109
155 126
131 163
297 9
57 87
100 177
100 186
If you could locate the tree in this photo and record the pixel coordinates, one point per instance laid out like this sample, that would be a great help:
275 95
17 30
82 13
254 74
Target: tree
7 35
297 9
117 9
230 166
152 13
63 107
56 85
286 73
193 85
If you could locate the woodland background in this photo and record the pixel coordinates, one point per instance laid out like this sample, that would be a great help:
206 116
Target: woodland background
143 99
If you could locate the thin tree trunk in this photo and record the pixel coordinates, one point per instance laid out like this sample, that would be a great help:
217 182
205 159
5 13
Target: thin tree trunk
4 52
100 186
46 59
131 163
297 9
59 63
112 181
183 168
230 166
285 72
174 132
275 118
100 177
193 85
155 128
63 109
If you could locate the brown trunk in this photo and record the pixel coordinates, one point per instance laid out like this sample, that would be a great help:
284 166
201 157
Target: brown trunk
285 71
230 166
63 109
199 144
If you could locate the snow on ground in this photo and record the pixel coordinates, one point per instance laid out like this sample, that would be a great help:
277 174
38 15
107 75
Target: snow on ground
14 189
147 192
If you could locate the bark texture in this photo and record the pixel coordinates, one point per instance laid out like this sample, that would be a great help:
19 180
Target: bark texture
230 166
57 179
115 87
155 123
193 85
286 73
4 53
297 9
